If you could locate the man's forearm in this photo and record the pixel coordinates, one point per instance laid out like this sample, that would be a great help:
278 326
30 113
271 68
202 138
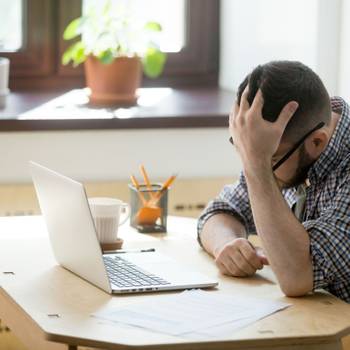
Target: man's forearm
284 239
219 230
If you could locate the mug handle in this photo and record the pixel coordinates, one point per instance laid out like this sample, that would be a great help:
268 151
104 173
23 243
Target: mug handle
127 213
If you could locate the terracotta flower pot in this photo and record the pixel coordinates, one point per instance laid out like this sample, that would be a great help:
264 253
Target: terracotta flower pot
114 83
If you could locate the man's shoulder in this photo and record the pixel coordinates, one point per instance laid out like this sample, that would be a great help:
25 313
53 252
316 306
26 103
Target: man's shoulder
343 169
337 104
338 177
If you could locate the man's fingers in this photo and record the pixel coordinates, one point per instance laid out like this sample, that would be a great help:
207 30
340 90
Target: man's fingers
286 114
223 268
240 259
228 267
250 254
264 260
244 104
242 263
235 108
257 104
262 256
233 113
233 268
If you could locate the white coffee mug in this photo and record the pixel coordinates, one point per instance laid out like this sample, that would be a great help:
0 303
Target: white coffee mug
4 80
107 213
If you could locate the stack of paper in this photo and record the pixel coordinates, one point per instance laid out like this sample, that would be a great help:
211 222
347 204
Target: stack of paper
194 313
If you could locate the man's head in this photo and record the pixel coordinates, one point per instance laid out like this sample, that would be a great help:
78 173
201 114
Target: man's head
281 82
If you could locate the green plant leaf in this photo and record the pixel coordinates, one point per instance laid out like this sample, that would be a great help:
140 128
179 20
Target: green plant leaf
72 30
79 54
113 34
66 57
106 57
153 62
153 26
75 53
107 8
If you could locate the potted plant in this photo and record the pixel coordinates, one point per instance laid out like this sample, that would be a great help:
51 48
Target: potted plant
114 48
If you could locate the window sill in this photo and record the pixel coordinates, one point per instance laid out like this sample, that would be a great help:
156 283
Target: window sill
157 108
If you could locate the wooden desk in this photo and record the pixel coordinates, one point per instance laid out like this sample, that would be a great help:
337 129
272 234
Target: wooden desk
48 307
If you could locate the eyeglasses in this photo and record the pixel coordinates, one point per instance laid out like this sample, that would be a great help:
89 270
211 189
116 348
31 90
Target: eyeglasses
295 147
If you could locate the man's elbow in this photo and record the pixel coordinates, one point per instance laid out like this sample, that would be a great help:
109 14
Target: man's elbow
294 292
296 288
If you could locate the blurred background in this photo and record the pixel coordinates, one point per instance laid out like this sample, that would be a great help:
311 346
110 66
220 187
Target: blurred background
181 125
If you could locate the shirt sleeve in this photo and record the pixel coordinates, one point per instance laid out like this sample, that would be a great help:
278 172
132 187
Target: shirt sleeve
233 200
330 240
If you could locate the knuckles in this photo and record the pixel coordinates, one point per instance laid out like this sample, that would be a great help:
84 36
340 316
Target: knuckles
239 242
233 251
251 255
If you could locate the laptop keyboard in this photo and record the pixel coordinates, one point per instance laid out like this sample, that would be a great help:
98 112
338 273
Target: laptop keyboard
123 273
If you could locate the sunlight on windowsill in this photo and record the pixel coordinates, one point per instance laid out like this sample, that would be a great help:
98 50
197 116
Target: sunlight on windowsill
75 105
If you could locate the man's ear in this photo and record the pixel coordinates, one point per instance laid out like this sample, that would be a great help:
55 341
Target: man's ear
316 143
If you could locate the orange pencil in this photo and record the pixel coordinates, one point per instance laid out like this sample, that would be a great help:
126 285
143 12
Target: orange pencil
168 182
165 186
147 182
137 186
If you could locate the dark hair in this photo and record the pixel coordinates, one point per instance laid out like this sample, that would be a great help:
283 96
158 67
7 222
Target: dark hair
284 81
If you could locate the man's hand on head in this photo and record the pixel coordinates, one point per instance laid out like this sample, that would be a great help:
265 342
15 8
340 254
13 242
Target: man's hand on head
239 258
257 139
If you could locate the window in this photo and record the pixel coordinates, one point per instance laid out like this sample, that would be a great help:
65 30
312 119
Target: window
34 44
32 50
11 38
170 14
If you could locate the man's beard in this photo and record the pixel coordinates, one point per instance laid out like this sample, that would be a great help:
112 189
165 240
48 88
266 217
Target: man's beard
304 164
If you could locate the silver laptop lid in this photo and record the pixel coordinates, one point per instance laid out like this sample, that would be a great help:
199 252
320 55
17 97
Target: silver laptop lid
71 229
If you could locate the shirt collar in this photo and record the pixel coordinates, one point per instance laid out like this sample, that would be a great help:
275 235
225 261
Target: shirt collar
339 144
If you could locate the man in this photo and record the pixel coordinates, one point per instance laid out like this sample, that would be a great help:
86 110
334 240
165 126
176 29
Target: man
294 189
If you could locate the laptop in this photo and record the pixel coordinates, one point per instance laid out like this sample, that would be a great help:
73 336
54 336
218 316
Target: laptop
74 242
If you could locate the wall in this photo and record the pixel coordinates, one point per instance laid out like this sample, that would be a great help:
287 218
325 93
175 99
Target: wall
114 155
255 31
344 67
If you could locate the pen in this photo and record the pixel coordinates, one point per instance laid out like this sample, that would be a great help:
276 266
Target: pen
122 251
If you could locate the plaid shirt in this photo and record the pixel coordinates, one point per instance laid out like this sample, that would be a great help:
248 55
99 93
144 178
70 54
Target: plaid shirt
326 216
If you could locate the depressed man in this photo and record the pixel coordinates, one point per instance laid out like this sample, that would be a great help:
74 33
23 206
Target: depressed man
294 189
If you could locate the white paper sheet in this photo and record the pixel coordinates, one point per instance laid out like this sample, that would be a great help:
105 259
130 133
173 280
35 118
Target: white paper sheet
206 313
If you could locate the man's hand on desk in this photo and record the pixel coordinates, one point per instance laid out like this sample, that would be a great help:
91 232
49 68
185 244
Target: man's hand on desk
239 258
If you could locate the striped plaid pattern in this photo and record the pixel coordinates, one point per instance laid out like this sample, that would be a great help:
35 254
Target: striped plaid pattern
327 209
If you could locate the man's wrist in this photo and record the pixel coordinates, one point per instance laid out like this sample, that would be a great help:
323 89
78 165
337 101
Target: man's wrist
219 246
259 168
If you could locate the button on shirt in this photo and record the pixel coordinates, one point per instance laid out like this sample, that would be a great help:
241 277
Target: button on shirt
325 214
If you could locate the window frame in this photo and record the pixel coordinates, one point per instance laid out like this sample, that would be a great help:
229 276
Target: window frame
34 59
38 64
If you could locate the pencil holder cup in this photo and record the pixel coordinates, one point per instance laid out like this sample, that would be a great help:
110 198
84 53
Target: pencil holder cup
149 208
